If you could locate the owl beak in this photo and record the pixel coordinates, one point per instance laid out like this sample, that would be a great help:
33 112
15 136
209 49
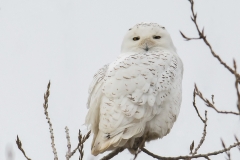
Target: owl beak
146 48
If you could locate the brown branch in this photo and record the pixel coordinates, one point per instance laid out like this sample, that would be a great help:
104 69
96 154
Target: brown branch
19 144
194 104
204 122
70 154
187 38
45 106
211 105
191 148
191 156
237 142
204 38
227 152
74 151
236 84
207 158
81 140
80 145
203 135
113 153
68 143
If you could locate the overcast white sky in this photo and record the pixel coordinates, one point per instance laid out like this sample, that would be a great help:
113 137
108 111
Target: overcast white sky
66 41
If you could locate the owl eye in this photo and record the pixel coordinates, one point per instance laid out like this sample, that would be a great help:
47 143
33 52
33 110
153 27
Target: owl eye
156 37
136 38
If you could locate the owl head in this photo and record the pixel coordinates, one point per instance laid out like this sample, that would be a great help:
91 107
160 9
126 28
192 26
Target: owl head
146 37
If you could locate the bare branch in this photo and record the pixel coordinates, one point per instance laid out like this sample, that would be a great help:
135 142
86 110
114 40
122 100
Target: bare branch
19 144
211 105
113 153
45 106
203 135
74 151
187 38
81 141
204 38
191 147
212 99
227 152
191 156
237 142
236 84
207 158
204 122
194 104
68 154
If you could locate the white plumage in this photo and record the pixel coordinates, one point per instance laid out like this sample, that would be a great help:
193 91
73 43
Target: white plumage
139 94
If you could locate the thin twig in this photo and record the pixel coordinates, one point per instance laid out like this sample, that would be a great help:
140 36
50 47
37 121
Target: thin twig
81 140
68 144
203 135
113 153
187 38
74 151
204 38
19 144
211 105
191 148
237 142
204 122
227 152
194 104
45 106
236 84
190 156
207 158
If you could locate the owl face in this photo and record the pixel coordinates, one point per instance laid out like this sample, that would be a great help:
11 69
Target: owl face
146 37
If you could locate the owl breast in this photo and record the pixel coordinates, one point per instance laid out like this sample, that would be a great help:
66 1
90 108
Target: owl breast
144 88
140 94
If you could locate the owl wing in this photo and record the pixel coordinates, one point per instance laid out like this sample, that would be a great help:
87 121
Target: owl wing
132 93
94 99
98 77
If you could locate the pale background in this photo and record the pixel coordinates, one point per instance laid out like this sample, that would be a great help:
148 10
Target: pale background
66 41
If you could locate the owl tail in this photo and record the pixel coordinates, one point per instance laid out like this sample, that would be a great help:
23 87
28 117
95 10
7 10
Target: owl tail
103 142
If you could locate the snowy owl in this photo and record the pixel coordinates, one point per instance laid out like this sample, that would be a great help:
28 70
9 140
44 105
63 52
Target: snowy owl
138 96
